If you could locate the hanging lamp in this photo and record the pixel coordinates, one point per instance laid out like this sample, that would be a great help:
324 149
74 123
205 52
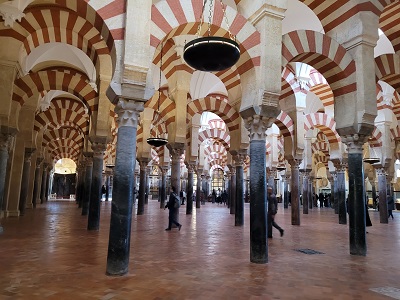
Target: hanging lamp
158 141
211 53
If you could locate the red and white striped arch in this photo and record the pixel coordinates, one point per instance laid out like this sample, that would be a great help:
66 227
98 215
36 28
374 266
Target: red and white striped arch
376 138
217 123
218 105
219 135
217 148
387 69
324 54
62 133
396 105
389 23
395 133
320 87
66 81
154 157
179 17
320 146
56 118
167 108
324 123
333 13
58 156
290 85
285 124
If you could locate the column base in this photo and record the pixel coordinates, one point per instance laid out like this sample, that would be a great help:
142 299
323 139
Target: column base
12 213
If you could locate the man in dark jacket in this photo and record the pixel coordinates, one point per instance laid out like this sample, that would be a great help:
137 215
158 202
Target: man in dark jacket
173 205
272 210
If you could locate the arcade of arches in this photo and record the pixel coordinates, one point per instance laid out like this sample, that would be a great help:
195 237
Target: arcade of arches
313 98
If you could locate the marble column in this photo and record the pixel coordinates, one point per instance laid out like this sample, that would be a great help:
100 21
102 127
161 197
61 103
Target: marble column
341 192
142 186
257 127
310 192
295 201
43 187
286 179
176 154
305 192
25 180
81 183
163 191
335 193
233 191
122 204
108 174
356 202
48 187
198 188
87 183
36 185
189 199
373 194
147 191
95 190
382 187
5 142
239 199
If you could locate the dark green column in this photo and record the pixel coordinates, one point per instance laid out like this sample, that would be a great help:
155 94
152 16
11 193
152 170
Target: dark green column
123 183
295 200
95 190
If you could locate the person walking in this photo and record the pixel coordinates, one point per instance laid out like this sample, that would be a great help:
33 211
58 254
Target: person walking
272 210
173 204
390 204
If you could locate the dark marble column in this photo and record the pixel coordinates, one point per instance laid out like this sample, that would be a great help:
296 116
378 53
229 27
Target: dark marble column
233 191
373 194
36 185
163 191
142 186
198 188
305 192
176 154
228 188
81 183
334 191
286 179
122 204
356 202
48 173
95 190
310 192
147 184
295 201
108 174
25 180
239 199
341 192
43 187
5 142
258 191
87 183
189 199
382 187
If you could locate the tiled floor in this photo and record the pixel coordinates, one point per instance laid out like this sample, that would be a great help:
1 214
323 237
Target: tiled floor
49 254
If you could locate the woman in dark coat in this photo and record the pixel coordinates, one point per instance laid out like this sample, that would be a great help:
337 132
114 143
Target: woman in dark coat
390 205
368 222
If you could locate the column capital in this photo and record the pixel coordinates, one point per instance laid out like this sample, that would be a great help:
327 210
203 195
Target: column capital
354 142
295 163
143 164
28 154
98 149
128 112
191 168
380 171
39 160
176 153
257 126
6 141
239 159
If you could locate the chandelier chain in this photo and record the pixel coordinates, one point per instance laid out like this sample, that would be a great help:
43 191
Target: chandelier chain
231 36
210 18
201 19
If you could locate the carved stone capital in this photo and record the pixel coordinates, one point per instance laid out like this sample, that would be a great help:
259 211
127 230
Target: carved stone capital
295 163
10 12
257 126
6 141
380 172
39 160
239 160
191 168
98 149
128 112
354 142
143 164
28 154
176 153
